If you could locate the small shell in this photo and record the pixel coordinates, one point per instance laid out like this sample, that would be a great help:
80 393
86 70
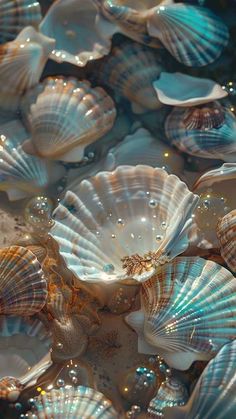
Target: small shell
74 403
195 36
131 211
172 392
23 288
214 143
226 232
10 388
177 89
214 394
130 71
26 56
187 311
15 15
78 38
67 116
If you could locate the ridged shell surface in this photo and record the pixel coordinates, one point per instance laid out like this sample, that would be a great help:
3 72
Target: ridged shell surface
226 232
73 403
23 288
187 312
133 210
195 36
130 71
214 394
15 15
10 388
212 143
67 116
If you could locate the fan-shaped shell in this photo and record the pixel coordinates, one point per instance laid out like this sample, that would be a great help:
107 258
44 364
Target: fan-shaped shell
15 15
22 175
67 116
24 353
226 232
218 142
187 312
195 36
73 403
23 288
172 392
214 394
26 56
131 211
130 71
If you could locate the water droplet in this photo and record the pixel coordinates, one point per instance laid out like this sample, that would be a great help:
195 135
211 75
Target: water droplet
73 373
98 233
59 345
108 268
163 225
132 235
153 203
60 382
206 204
120 222
159 237
113 236
139 237
74 380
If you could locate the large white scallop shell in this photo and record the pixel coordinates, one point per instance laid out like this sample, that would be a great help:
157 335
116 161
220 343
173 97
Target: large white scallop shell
73 403
195 36
22 175
67 116
214 394
187 311
26 56
226 232
23 288
15 15
131 211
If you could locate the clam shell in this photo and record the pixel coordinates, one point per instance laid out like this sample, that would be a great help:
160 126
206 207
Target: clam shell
226 232
130 71
26 56
214 394
187 311
172 392
22 175
26 344
15 15
225 172
74 403
204 118
218 142
23 288
195 36
67 116
131 211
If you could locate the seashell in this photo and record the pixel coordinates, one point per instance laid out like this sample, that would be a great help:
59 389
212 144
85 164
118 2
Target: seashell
22 175
23 288
226 232
79 402
26 56
78 38
172 392
195 36
24 353
217 142
130 71
15 15
204 118
214 393
88 113
177 89
131 211
39 251
187 311
225 172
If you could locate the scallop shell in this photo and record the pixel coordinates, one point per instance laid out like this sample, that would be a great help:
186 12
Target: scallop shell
214 394
187 311
15 15
131 211
67 116
204 118
23 288
26 56
195 36
74 403
78 38
25 344
226 232
172 392
213 143
130 71
22 175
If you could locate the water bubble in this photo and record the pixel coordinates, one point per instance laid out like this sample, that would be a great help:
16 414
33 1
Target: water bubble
108 268
60 382
113 236
59 345
132 235
163 225
139 237
153 203
74 380
159 237
73 373
206 204
120 222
